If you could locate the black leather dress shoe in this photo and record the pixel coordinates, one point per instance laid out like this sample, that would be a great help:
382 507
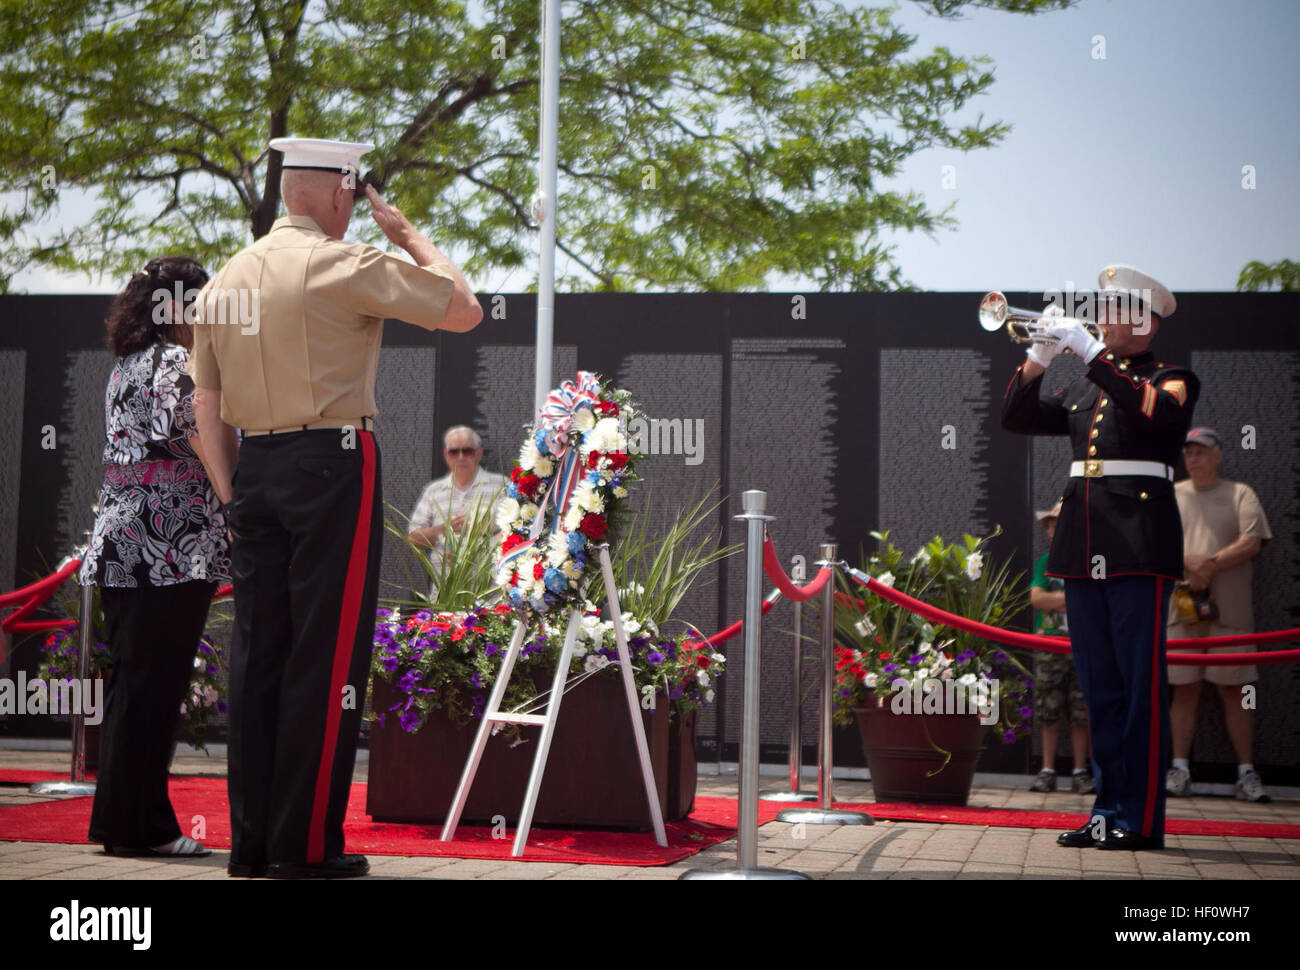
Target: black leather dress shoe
1125 839
335 867
247 870
1080 838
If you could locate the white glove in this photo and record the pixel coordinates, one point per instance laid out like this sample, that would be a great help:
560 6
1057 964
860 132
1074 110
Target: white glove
1071 336
1042 353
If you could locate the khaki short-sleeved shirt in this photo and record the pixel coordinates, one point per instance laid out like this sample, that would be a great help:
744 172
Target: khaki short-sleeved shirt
289 329
1216 517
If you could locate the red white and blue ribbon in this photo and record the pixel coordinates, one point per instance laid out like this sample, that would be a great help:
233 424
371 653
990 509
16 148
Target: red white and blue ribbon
555 418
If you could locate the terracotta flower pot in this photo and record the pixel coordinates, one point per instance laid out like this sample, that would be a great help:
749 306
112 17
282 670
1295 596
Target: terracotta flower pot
902 757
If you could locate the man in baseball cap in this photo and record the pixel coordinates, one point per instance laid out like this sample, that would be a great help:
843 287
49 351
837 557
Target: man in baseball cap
1224 527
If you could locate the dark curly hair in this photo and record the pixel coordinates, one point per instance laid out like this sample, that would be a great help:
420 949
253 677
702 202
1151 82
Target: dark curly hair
137 320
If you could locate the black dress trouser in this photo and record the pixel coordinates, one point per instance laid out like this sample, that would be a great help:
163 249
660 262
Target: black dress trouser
153 635
307 526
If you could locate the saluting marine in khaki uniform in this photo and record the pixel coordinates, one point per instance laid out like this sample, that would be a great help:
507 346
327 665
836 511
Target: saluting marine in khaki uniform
298 378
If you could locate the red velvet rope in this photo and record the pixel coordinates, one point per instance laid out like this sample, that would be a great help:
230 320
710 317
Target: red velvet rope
39 592
42 590
1056 644
800 594
722 636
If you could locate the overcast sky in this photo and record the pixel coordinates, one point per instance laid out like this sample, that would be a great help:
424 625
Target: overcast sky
1136 157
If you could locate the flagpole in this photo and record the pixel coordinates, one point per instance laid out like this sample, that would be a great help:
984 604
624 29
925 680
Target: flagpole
544 203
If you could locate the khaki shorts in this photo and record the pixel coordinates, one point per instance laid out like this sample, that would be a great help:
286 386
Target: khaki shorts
1179 674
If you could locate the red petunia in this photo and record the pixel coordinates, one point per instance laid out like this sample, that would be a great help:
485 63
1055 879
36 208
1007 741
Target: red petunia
703 661
884 656
594 526
502 607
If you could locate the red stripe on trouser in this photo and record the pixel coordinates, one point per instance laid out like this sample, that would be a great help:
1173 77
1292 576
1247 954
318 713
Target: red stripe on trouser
349 615
1153 727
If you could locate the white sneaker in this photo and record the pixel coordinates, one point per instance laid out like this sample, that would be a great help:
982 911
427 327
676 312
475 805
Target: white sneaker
1177 780
1251 789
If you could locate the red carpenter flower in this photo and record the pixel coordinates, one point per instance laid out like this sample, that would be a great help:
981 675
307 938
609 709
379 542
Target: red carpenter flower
593 526
527 484
512 540
538 570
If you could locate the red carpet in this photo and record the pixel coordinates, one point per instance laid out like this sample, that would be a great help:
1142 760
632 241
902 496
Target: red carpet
66 820
714 820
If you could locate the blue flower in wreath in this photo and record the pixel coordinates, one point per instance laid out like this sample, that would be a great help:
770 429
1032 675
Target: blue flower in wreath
576 541
549 600
539 439
512 490
554 580
593 478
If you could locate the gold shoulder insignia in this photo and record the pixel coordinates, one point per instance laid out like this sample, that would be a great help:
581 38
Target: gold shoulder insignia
1177 388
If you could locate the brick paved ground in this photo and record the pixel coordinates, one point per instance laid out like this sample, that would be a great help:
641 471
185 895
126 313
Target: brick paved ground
886 850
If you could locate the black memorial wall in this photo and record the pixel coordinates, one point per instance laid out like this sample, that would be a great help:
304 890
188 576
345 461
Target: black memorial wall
853 412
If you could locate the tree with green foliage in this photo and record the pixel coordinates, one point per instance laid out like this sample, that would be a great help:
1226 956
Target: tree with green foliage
703 144
1283 275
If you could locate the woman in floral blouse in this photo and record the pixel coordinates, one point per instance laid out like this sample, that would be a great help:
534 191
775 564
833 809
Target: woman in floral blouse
158 553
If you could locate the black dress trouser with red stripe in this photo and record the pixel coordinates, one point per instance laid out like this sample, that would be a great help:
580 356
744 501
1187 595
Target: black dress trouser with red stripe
308 528
1117 637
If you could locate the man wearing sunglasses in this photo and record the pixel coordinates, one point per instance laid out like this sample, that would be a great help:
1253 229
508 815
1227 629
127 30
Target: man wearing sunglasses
465 492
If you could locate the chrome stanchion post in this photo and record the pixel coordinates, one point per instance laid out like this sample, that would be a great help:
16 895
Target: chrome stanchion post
754 503
799 575
78 785
824 814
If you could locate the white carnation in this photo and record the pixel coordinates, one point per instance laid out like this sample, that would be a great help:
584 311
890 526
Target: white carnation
507 514
605 437
584 419
588 497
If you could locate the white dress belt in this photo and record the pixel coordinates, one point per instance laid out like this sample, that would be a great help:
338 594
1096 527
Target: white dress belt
1100 468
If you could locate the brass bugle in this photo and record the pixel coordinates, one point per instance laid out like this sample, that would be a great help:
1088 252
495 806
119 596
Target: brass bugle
1023 326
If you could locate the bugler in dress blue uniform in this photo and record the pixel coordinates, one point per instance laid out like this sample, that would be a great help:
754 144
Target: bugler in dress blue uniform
1118 542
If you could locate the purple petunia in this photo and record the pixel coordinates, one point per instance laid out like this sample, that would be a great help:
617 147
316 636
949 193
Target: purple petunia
476 680
211 668
889 668
492 649
409 720
410 680
655 658
1009 735
914 659
1026 712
